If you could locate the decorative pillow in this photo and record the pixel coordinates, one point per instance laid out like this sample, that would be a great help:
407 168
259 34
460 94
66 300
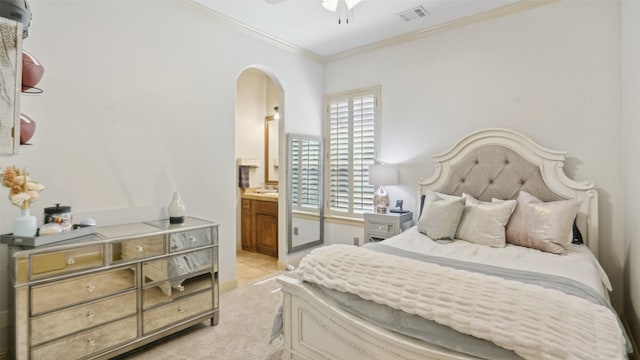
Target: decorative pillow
484 222
441 195
440 217
546 226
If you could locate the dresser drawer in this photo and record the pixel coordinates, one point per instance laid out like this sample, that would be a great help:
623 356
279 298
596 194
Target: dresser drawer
88 342
167 291
177 265
191 239
60 323
66 261
80 289
182 309
137 248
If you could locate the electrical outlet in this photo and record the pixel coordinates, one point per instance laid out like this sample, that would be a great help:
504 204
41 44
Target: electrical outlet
356 240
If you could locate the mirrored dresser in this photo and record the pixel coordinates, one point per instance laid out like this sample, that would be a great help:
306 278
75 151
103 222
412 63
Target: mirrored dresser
106 293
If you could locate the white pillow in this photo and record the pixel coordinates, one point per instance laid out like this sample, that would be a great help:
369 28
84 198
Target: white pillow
546 226
484 222
440 217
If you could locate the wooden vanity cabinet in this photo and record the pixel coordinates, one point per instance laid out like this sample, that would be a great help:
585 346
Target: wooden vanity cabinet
102 295
246 229
260 226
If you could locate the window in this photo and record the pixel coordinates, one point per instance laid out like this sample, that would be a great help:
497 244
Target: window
305 173
351 126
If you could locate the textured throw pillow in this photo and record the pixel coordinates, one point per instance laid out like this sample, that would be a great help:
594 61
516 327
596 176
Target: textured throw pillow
440 195
546 226
484 222
440 217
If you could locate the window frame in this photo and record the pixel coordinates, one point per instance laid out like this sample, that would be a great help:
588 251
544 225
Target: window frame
350 213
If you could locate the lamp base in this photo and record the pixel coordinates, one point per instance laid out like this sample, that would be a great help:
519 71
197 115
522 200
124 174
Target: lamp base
381 210
381 201
176 220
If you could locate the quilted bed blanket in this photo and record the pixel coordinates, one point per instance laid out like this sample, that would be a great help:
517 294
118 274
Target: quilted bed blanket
533 321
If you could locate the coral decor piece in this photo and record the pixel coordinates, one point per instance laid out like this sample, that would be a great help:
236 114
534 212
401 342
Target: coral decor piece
22 191
27 128
32 72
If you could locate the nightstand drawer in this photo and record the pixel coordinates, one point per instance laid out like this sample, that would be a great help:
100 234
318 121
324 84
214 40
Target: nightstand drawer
378 227
382 228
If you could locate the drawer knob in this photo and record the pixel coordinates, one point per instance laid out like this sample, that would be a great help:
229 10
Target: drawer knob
70 261
91 342
180 309
192 238
90 287
90 314
139 248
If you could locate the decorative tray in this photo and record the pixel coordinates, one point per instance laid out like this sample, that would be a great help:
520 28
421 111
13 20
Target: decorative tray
47 239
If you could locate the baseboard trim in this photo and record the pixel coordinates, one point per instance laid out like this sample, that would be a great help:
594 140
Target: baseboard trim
228 285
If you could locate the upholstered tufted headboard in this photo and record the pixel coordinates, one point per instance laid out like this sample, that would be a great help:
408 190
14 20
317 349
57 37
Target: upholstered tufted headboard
498 163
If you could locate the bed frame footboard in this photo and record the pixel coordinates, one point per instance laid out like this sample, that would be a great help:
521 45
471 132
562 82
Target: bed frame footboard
315 328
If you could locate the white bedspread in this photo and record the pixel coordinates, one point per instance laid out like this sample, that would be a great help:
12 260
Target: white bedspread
528 319
578 263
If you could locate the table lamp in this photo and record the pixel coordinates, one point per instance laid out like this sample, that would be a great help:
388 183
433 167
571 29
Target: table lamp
380 175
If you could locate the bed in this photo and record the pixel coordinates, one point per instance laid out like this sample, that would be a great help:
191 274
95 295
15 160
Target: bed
502 264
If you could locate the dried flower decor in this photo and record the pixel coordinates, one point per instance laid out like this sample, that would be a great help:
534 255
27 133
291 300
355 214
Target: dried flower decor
22 191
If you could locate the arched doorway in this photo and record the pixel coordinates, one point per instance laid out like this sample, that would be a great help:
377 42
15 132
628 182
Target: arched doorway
258 142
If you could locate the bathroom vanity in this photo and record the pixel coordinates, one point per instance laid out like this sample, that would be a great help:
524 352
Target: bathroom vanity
104 294
259 220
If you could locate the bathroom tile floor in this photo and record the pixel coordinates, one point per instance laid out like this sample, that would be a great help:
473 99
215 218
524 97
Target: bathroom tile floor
251 266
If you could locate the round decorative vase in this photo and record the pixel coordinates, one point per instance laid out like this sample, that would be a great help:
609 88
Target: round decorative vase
176 209
25 224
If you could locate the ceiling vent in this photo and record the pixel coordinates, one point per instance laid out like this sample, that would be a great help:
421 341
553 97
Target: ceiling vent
412 14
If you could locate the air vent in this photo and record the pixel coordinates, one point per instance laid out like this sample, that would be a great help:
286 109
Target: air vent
412 14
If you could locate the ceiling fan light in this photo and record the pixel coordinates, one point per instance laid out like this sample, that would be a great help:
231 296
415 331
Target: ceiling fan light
352 3
331 5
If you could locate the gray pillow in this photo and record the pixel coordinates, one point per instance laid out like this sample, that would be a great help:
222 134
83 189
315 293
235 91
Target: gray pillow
440 217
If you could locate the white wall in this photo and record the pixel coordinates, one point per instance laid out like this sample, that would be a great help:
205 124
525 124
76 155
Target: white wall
251 102
631 133
552 73
138 102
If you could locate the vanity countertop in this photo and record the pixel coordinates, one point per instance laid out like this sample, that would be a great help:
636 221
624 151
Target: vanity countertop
272 197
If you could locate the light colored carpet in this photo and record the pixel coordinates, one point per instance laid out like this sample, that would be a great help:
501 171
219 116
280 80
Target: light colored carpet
243 332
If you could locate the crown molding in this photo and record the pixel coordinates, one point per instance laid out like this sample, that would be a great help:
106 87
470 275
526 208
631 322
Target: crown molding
257 34
512 8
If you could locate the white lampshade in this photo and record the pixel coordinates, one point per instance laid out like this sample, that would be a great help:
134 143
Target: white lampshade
383 175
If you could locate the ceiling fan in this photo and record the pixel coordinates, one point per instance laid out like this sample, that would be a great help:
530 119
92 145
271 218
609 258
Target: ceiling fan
337 6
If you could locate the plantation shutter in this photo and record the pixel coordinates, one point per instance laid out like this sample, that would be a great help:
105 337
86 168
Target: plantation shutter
352 143
305 173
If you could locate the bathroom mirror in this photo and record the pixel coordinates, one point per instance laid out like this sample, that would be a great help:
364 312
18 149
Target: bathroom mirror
271 161
304 198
